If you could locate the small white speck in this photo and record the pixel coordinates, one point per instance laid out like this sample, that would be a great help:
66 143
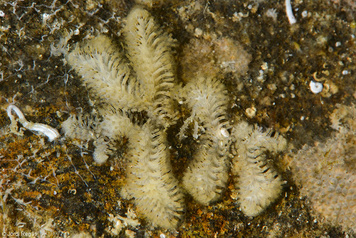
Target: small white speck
162 236
315 87
224 132
345 72
45 17
304 14
2 14
337 44
272 13
198 32
260 76
302 118
264 66
251 112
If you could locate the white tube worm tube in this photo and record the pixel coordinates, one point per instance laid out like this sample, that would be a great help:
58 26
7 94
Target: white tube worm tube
44 129
289 12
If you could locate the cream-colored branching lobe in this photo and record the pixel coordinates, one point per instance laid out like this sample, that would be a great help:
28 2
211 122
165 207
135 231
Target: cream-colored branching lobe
150 180
106 73
140 79
326 173
81 127
149 50
118 93
91 128
258 184
207 174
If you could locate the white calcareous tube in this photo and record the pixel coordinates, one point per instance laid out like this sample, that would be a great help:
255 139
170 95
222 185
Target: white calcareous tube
289 11
44 129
